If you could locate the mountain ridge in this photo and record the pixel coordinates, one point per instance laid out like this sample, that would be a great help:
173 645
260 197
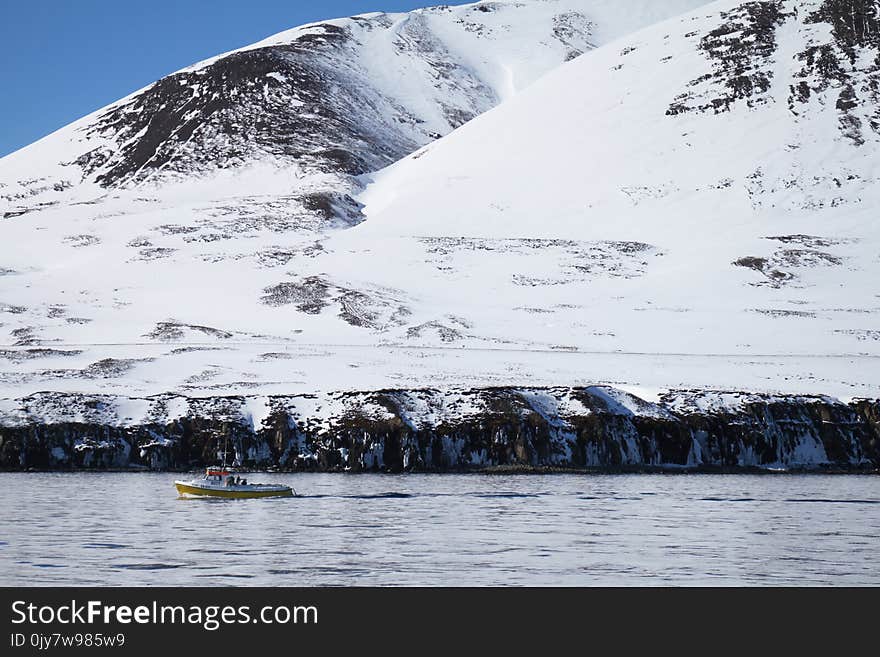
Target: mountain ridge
287 98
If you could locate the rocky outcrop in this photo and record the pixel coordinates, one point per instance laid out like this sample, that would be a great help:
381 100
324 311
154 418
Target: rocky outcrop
591 428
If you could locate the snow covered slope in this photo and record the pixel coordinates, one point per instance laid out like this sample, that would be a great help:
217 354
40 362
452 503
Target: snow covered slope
707 188
146 247
690 206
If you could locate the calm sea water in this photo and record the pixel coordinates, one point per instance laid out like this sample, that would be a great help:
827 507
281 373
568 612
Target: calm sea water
132 529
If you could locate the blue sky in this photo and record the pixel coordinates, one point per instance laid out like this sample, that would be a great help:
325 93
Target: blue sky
62 59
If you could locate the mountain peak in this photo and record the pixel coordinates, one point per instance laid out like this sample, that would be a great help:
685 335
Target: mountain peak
337 98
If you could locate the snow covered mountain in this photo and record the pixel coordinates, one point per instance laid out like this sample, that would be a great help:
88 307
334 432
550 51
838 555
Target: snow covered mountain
693 205
688 206
312 107
145 244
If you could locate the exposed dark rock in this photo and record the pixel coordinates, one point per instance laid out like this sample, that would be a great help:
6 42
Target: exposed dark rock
445 333
577 259
281 101
18 355
82 240
110 368
570 28
330 207
739 51
172 331
310 296
844 70
594 428
849 63
372 309
783 266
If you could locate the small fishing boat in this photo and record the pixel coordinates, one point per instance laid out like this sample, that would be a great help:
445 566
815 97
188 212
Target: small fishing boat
223 482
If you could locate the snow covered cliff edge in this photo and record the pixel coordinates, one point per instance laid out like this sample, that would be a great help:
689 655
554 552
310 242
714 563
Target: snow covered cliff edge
597 427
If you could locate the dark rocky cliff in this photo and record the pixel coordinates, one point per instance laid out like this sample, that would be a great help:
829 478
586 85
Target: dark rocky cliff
597 428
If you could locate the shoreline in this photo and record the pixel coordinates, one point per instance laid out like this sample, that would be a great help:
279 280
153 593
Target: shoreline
508 430
526 471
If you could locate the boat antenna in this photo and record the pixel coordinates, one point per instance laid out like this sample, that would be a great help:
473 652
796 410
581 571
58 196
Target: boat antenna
216 433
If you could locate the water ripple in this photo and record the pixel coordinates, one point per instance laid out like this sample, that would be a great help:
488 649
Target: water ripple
444 530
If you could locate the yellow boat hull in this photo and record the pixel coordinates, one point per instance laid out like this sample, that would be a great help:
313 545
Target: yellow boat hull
187 489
